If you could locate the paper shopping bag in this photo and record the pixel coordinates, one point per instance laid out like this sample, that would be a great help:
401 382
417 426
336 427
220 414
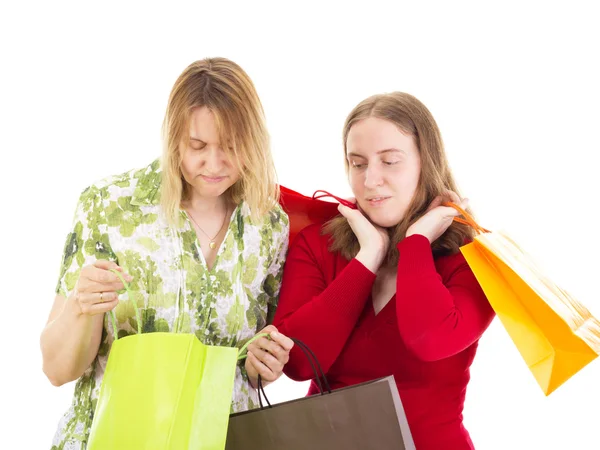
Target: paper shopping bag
304 211
164 391
367 416
554 333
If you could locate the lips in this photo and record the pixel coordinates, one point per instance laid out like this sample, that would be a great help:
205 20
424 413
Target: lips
377 200
212 179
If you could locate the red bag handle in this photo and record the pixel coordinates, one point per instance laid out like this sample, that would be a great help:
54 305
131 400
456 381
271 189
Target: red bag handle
341 200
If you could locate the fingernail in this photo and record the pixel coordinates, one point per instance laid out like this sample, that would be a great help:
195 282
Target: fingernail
274 334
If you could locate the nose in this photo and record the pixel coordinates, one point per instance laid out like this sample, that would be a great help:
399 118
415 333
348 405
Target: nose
373 177
214 160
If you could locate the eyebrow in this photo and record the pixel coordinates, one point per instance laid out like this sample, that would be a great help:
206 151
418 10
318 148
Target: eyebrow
387 150
196 139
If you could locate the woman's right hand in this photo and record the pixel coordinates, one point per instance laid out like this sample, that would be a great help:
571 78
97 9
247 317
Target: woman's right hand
96 289
373 240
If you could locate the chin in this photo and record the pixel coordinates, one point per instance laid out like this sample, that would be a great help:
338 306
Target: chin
210 192
384 220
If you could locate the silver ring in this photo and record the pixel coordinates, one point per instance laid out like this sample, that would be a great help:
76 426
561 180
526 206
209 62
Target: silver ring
101 294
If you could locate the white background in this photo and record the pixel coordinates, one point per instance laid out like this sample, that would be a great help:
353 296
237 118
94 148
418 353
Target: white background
513 86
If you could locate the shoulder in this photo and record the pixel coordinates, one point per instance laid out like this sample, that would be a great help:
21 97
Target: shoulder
140 185
274 222
312 240
276 216
449 265
313 235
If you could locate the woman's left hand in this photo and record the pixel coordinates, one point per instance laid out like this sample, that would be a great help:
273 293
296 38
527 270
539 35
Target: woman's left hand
266 357
438 218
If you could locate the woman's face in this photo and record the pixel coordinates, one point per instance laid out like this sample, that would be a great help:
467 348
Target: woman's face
205 165
384 169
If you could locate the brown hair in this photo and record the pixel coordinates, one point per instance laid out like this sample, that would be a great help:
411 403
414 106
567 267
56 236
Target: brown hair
224 88
413 118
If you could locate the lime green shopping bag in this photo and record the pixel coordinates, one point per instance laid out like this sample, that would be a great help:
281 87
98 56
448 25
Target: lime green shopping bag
164 391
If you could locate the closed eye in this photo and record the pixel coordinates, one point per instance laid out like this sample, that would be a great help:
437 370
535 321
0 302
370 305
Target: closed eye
196 144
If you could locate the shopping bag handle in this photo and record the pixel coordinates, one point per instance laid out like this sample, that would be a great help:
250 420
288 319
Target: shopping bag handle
312 359
320 374
241 353
324 194
244 348
130 298
468 219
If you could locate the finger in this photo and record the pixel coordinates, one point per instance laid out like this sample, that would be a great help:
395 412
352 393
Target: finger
282 340
88 298
269 360
343 210
106 265
96 297
435 203
449 213
453 196
261 369
260 343
100 275
92 286
353 215
463 204
350 202
267 329
281 354
98 308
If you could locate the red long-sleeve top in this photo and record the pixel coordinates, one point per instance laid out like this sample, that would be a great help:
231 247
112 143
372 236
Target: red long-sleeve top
426 335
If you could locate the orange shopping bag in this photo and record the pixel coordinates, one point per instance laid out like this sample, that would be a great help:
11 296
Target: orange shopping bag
555 334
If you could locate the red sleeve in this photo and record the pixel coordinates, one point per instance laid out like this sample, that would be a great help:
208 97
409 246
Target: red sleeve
439 314
318 310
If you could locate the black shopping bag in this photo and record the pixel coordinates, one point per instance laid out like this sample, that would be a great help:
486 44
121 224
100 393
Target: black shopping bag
362 417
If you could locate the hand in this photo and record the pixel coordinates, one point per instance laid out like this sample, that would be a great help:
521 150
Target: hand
96 289
373 240
437 218
266 357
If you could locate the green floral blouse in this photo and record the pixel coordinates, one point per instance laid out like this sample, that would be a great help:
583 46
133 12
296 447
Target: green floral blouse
120 219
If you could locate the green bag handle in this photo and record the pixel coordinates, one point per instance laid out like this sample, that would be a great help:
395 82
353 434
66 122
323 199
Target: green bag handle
244 348
113 317
130 298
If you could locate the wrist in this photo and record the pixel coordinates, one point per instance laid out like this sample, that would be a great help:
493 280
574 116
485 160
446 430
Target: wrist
371 259
72 308
411 232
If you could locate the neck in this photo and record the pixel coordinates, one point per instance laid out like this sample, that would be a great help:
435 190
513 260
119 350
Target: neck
206 206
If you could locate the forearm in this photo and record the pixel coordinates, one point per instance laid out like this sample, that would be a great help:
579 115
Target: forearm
70 343
332 312
437 318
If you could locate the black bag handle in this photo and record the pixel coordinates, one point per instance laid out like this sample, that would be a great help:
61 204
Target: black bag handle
320 374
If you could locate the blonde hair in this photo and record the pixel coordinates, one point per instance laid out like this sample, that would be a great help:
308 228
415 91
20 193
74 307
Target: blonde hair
225 89
413 118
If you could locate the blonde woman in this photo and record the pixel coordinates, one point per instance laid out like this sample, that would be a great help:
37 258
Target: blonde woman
199 236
